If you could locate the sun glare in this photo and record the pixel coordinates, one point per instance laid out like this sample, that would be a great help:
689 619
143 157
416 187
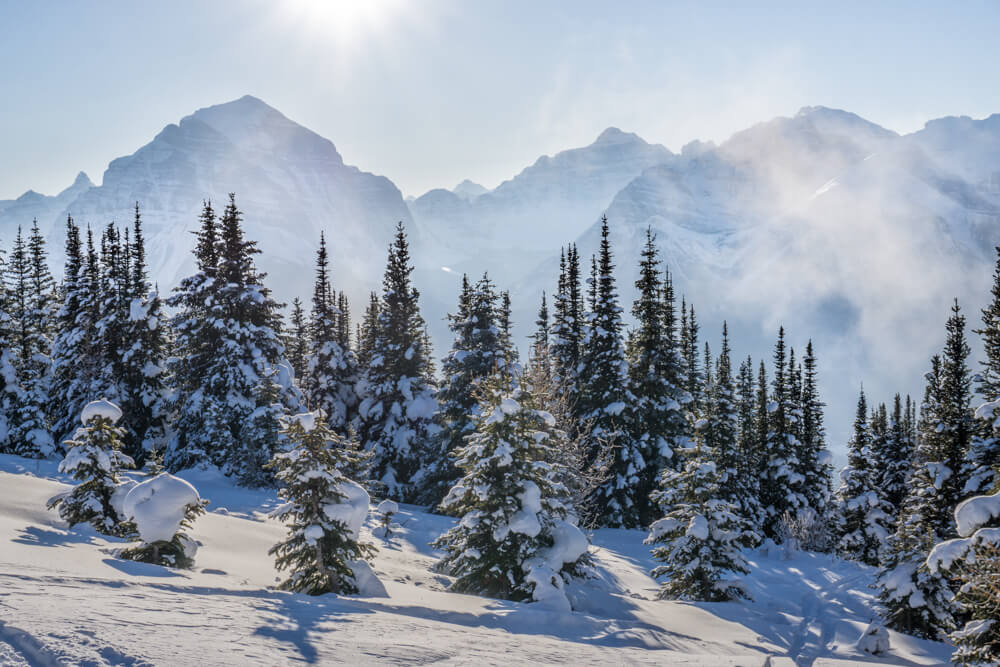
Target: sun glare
343 24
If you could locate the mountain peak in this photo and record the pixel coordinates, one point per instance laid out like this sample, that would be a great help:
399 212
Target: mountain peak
82 180
613 135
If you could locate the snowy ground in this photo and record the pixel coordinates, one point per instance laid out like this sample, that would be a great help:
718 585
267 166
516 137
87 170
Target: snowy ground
64 599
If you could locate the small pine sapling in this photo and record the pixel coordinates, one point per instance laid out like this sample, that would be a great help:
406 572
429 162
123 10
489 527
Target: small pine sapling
323 509
94 459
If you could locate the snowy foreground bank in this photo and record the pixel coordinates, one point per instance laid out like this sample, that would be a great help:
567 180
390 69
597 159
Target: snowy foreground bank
64 599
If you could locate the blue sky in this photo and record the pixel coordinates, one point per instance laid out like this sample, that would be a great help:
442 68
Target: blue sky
428 93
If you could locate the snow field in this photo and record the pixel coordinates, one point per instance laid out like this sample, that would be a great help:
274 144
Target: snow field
65 599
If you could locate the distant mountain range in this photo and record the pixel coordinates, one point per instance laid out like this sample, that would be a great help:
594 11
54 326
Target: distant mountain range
840 229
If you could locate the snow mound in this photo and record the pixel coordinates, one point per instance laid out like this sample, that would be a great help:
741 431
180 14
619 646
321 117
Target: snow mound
367 582
105 409
307 420
874 640
157 506
568 545
974 513
352 510
388 507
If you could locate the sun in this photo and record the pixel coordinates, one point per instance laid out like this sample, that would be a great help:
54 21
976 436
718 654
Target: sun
343 24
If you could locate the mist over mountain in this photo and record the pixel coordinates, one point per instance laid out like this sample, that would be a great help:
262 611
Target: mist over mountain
843 231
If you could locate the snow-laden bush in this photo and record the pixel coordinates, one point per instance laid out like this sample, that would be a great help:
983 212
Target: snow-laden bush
161 508
324 511
874 640
94 459
805 530
386 510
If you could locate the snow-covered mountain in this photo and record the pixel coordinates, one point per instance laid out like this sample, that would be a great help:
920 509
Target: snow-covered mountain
290 183
842 230
34 206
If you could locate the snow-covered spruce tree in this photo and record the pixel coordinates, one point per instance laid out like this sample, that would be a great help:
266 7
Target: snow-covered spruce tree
260 437
915 599
10 392
566 337
143 354
330 368
227 344
603 403
946 429
161 508
689 354
29 307
719 433
973 560
894 461
75 356
984 450
296 339
514 539
539 353
94 459
782 486
862 524
323 509
749 443
366 333
814 458
397 390
659 424
477 350
698 541
918 600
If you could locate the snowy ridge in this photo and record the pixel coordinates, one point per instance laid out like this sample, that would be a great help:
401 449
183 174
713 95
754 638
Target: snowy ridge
98 610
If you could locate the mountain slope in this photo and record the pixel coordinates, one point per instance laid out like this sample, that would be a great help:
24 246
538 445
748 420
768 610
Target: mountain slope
290 183
73 602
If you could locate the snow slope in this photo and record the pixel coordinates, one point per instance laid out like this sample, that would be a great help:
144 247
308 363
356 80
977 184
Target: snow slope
65 599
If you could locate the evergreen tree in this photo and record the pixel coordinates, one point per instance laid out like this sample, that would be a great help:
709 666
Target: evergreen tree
782 487
478 350
228 343
946 429
323 510
143 353
895 460
863 516
568 319
514 540
72 359
659 424
366 332
540 339
398 404
29 307
698 541
984 451
973 561
689 353
915 600
918 599
297 340
814 458
94 459
602 402
719 434
331 369
749 444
